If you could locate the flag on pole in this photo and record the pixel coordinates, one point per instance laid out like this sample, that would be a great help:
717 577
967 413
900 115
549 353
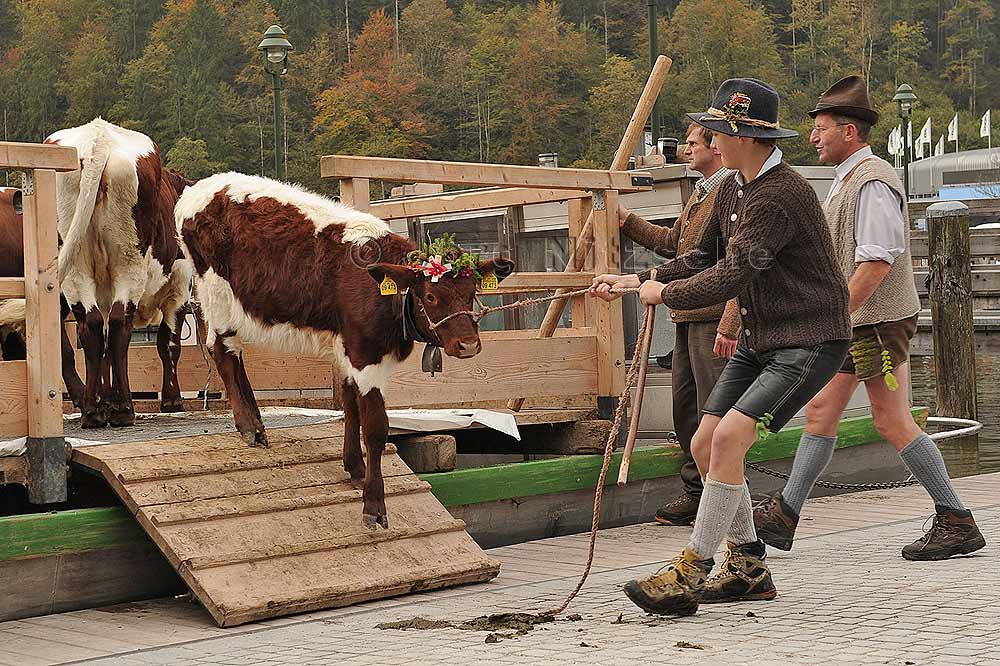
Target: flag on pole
924 138
953 129
939 148
984 125
908 146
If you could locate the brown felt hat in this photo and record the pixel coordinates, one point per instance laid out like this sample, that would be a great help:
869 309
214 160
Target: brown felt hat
847 97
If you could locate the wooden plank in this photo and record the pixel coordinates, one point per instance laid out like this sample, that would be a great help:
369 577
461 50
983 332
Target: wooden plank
271 370
356 192
985 281
13 399
543 281
262 536
460 202
244 482
287 499
983 243
145 372
608 316
522 368
15 155
339 578
42 319
72 531
11 287
474 173
488 484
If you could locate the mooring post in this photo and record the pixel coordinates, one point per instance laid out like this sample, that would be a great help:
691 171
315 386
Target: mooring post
950 295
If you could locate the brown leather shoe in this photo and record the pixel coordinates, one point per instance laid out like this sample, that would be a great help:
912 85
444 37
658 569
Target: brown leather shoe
679 512
674 589
775 522
952 533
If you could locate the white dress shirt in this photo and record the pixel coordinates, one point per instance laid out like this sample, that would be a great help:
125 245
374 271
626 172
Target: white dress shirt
771 162
879 228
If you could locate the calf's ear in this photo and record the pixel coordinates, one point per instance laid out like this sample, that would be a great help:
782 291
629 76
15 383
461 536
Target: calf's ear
500 267
401 275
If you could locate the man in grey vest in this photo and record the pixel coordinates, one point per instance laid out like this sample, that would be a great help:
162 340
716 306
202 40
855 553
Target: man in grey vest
866 213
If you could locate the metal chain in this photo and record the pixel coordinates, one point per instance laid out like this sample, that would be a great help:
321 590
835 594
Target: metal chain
885 485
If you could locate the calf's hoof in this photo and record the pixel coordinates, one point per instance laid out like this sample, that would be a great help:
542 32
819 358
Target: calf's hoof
95 418
257 438
372 522
171 406
122 417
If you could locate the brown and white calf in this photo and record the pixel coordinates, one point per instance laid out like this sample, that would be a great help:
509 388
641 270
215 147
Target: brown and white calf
120 264
12 345
284 267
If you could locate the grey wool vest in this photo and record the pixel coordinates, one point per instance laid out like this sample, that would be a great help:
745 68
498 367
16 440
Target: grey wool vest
896 298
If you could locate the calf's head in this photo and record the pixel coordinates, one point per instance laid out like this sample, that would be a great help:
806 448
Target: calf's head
442 285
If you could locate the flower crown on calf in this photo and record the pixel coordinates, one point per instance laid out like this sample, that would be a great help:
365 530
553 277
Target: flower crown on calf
442 256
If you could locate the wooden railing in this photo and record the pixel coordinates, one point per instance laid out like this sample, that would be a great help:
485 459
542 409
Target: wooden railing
598 330
31 390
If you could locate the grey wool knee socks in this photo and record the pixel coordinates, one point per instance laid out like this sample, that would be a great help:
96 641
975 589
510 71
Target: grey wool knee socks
716 511
923 459
813 455
742 530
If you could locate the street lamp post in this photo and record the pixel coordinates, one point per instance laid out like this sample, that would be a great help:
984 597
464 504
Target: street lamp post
905 98
276 46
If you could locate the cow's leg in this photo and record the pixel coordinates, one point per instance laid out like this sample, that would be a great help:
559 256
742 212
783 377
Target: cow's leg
168 345
375 425
70 377
245 411
90 326
354 463
120 409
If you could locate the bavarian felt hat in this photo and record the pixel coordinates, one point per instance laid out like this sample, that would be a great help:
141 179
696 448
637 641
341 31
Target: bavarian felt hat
847 97
744 107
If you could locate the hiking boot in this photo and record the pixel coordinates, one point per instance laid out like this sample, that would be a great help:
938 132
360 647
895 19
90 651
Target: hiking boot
953 532
679 512
743 577
775 522
674 589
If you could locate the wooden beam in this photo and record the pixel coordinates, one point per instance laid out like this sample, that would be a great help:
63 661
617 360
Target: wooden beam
608 317
13 399
522 282
42 320
461 202
356 192
11 287
474 173
15 155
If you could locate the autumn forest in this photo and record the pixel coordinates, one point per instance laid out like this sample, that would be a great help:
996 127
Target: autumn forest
477 80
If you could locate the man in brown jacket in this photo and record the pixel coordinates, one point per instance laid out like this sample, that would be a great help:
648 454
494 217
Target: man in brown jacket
705 338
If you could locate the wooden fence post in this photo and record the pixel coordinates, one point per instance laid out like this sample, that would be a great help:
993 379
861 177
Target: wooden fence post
46 445
950 297
356 192
608 320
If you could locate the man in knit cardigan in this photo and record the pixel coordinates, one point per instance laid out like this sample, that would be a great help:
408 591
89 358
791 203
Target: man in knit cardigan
705 338
865 212
767 244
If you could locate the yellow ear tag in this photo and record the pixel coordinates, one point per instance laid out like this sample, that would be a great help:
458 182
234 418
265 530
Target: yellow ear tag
388 286
490 282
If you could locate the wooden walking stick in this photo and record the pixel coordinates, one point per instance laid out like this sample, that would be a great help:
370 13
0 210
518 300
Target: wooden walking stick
633 426
583 245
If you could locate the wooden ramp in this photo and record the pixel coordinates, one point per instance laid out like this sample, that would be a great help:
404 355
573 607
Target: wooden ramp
261 533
